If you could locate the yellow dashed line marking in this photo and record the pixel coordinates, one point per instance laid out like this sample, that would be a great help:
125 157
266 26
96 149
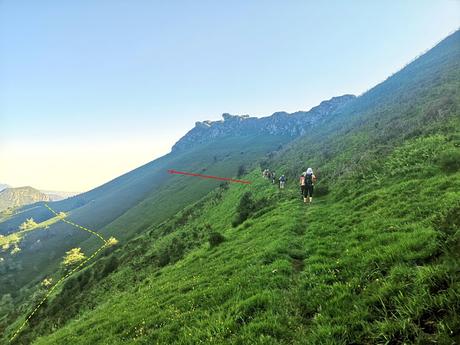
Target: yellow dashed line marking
76 225
67 275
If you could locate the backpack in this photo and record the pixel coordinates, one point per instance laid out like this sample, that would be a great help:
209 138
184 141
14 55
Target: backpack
302 180
309 180
282 178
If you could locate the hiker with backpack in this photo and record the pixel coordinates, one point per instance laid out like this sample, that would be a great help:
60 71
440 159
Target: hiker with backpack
282 181
273 177
307 180
266 174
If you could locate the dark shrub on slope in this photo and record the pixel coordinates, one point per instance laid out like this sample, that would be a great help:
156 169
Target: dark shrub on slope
450 160
216 238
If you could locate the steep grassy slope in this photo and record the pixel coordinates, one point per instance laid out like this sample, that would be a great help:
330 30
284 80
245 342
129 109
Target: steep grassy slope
373 260
376 266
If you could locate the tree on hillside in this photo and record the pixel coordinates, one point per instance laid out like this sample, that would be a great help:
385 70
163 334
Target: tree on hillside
111 241
73 257
15 250
28 224
7 241
47 282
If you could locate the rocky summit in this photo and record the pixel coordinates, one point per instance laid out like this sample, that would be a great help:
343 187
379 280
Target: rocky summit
279 123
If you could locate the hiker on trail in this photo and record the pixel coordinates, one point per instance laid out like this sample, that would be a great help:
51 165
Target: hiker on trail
282 180
266 173
269 174
307 181
273 177
302 184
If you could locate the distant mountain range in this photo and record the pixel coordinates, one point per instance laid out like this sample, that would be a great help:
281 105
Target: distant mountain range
15 197
3 186
58 195
21 196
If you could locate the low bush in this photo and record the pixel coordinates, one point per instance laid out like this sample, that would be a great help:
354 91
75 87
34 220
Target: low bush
172 252
215 238
450 160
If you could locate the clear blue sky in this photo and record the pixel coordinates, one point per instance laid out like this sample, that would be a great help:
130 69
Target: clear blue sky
92 89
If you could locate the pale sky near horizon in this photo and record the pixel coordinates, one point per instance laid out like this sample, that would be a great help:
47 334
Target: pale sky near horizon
92 89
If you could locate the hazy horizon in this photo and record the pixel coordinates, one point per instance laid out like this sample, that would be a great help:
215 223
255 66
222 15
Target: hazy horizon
83 104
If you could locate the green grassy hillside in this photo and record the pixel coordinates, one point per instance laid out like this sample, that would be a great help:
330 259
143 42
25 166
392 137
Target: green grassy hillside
374 260
378 265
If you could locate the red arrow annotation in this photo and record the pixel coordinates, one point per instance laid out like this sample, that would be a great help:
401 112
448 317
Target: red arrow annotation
170 171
